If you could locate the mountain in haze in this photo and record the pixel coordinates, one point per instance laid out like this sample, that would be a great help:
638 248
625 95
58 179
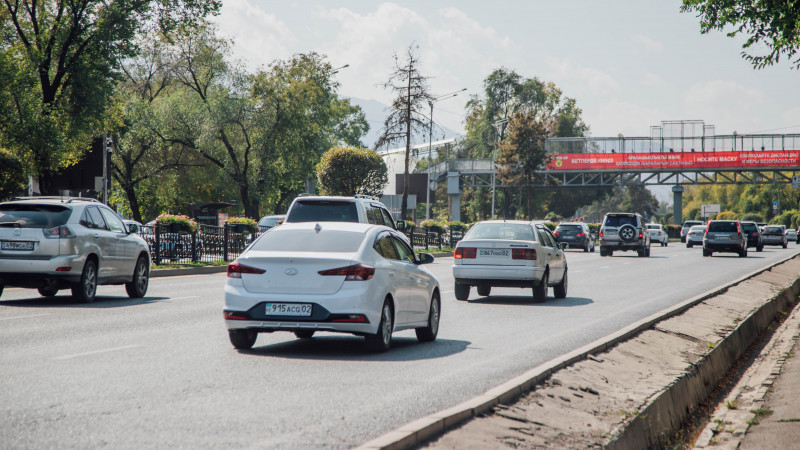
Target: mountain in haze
376 113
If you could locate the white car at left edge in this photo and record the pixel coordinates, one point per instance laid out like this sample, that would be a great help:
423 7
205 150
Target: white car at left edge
309 277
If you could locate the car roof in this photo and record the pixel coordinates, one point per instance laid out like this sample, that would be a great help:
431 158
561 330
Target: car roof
52 200
525 222
344 226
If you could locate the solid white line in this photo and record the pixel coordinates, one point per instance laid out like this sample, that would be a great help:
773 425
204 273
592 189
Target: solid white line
77 355
24 317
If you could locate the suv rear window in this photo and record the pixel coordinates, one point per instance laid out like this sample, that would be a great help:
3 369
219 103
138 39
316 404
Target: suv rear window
323 211
749 227
776 231
573 228
618 221
722 227
33 216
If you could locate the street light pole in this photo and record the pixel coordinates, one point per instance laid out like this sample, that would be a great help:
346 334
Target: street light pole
430 148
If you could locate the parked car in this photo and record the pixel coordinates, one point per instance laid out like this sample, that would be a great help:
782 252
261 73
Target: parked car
775 235
791 235
267 222
509 253
360 208
689 224
753 233
658 234
55 243
575 235
695 236
624 232
724 236
797 241
354 278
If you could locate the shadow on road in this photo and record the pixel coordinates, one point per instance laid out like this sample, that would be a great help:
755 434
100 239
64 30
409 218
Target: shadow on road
353 348
528 301
66 301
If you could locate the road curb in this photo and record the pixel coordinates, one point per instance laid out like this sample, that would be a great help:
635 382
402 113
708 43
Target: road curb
669 408
179 271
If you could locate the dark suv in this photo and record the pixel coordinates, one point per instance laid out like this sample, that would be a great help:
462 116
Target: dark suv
575 235
624 232
753 233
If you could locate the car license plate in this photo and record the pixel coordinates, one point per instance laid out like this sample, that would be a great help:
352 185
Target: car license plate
492 252
16 245
288 309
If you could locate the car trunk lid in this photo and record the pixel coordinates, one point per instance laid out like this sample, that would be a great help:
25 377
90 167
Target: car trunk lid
294 272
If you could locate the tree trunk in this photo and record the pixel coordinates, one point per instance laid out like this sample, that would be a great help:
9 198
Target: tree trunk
47 183
133 201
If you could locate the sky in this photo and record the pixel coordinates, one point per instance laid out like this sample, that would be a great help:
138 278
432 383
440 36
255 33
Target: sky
629 64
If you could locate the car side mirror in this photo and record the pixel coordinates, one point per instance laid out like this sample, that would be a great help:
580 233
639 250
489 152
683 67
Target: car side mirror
401 226
562 245
133 229
424 258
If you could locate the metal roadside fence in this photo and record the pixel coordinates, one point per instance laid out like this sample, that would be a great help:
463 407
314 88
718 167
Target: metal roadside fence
211 243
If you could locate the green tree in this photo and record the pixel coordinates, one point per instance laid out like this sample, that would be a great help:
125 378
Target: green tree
350 171
407 117
770 25
12 177
521 155
63 57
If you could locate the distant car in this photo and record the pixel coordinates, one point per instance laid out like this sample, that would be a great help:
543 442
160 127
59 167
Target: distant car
575 235
689 224
797 241
775 235
54 243
354 278
753 233
509 253
724 236
658 234
791 235
268 222
359 208
695 236
624 232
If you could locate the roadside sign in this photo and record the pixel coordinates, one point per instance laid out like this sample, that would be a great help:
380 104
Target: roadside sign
796 181
709 210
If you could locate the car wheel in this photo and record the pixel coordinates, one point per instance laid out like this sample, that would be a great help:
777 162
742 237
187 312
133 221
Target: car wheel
141 275
592 250
1 289
484 291
689 245
462 291
540 291
242 339
666 243
382 340
706 252
647 252
87 287
759 248
743 253
586 248
428 333
642 252
602 251
47 291
304 334
785 244
560 290
627 233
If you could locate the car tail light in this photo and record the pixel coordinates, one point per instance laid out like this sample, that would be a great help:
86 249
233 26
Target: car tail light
62 232
465 253
581 234
235 315
357 272
738 229
236 269
523 253
601 234
351 318
640 235
557 234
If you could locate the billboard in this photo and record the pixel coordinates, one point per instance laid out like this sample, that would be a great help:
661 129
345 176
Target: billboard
730 160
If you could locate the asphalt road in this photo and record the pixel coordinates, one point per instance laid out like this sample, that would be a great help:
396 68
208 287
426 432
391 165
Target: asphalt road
160 371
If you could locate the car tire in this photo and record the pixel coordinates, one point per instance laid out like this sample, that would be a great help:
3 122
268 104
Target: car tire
586 248
304 334
706 252
484 291
743 253
560 290
760 248
428 332
137 287
242 339
86 288
462 291
689 245
785 245
540 291
381 341
642 252
647 252
627 233
47 291
592 250
1 289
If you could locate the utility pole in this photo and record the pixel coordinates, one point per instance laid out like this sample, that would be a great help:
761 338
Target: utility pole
430 148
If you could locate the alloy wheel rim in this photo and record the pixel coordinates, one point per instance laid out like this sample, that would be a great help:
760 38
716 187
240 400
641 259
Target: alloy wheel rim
387 324
435 315
90 285
141 280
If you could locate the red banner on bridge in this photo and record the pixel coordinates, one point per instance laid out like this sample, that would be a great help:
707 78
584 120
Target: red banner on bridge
788 159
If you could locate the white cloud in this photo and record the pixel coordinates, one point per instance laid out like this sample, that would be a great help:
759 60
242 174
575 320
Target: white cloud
648 44
597 81
260 37
725 104
652 80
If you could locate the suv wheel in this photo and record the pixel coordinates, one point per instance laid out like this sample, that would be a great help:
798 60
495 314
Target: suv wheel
138 285
87 287
627 233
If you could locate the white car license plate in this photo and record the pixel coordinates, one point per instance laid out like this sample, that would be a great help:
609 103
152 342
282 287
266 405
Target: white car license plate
16 245
288 309
492 252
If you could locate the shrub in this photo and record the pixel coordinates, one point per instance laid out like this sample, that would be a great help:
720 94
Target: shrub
757 218
673 231
432 225
250 224
727 215
186 223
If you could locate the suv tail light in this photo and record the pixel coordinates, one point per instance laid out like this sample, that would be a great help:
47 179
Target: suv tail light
465 253
61 232
581 234
523 253
357 272
557 234
236 269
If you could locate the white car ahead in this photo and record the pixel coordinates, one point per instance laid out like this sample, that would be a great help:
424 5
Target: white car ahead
658 234
354 278
510 253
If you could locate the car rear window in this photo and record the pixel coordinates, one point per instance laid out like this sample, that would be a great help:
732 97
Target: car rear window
618 221
33 216
749 227
691 224
513 231
323 211
326 241
773 230
573 228
723 227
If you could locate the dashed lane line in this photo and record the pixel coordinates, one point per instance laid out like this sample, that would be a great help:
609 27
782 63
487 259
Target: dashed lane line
96 352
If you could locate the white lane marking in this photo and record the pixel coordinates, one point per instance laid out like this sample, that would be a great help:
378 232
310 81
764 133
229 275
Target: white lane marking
77 355
577 271
604 267
24 317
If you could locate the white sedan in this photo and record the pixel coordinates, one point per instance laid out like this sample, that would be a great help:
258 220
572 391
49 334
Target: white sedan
658 233
509 253
354 278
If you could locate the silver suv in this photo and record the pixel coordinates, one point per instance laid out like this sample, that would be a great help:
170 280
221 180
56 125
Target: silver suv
624 232
54 243
725 236
360 208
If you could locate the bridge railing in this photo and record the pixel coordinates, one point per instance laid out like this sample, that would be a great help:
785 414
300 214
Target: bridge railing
664 144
